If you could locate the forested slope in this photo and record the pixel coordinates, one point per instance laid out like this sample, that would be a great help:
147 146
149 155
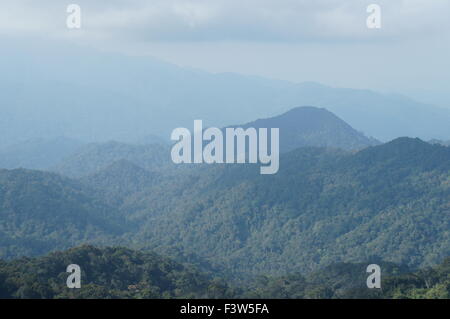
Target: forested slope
40 212
322 207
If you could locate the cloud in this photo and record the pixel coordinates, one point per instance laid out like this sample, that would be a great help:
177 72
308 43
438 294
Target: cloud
227 20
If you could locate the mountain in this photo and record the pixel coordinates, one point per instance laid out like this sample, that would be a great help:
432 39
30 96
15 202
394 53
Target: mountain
383 116
124 98
311 126
120 180
98 156
322 207
40 212
38 153
152 139
299 127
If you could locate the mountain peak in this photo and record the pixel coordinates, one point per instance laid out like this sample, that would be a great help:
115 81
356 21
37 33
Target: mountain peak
313 126
408 145
407 151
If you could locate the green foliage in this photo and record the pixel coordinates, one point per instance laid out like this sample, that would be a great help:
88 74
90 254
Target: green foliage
106 273
40 212
428 283
348 281
118 272
322 207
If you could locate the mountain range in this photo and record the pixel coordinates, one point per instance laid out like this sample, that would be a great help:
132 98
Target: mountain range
323 206
299 127
339 197
117 97
94 157
38 153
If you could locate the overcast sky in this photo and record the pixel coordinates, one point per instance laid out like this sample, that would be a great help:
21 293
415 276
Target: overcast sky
317 40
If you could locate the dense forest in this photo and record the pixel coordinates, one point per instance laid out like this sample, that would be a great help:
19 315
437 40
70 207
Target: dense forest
123 273
329 211
106 273
323 207
41 212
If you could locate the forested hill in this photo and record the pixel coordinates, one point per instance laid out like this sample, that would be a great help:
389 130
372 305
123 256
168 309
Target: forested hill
40 212
116 272
322 207
120 180
98 156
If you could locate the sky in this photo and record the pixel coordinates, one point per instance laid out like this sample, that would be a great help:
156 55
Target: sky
325 41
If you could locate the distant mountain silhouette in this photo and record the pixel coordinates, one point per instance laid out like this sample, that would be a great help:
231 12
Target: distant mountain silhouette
98 156
299 127
38 153
152 139
124 98
312 126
